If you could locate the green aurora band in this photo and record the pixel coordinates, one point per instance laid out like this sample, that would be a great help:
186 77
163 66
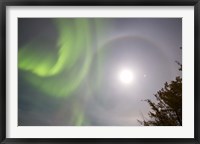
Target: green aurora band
60 70
58 75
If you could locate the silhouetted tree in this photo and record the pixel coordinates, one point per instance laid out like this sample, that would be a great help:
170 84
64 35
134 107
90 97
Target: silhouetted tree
167 111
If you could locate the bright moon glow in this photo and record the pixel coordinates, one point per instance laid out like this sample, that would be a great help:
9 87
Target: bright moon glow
126 76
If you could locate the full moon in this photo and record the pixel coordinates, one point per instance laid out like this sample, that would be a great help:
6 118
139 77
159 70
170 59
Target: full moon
126 76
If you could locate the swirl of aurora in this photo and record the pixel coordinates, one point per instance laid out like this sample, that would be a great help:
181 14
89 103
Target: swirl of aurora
56 72
93 71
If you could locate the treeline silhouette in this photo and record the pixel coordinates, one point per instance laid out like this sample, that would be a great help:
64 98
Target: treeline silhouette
167 111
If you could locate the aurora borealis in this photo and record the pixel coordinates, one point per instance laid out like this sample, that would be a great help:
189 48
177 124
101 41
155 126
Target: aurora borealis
68 68
47 67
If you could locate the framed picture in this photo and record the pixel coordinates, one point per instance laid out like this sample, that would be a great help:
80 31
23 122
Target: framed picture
99 71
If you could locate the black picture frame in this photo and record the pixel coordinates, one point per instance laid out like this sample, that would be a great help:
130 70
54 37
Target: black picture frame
5 3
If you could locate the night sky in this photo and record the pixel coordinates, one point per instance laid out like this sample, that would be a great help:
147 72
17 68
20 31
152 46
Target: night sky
93 71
